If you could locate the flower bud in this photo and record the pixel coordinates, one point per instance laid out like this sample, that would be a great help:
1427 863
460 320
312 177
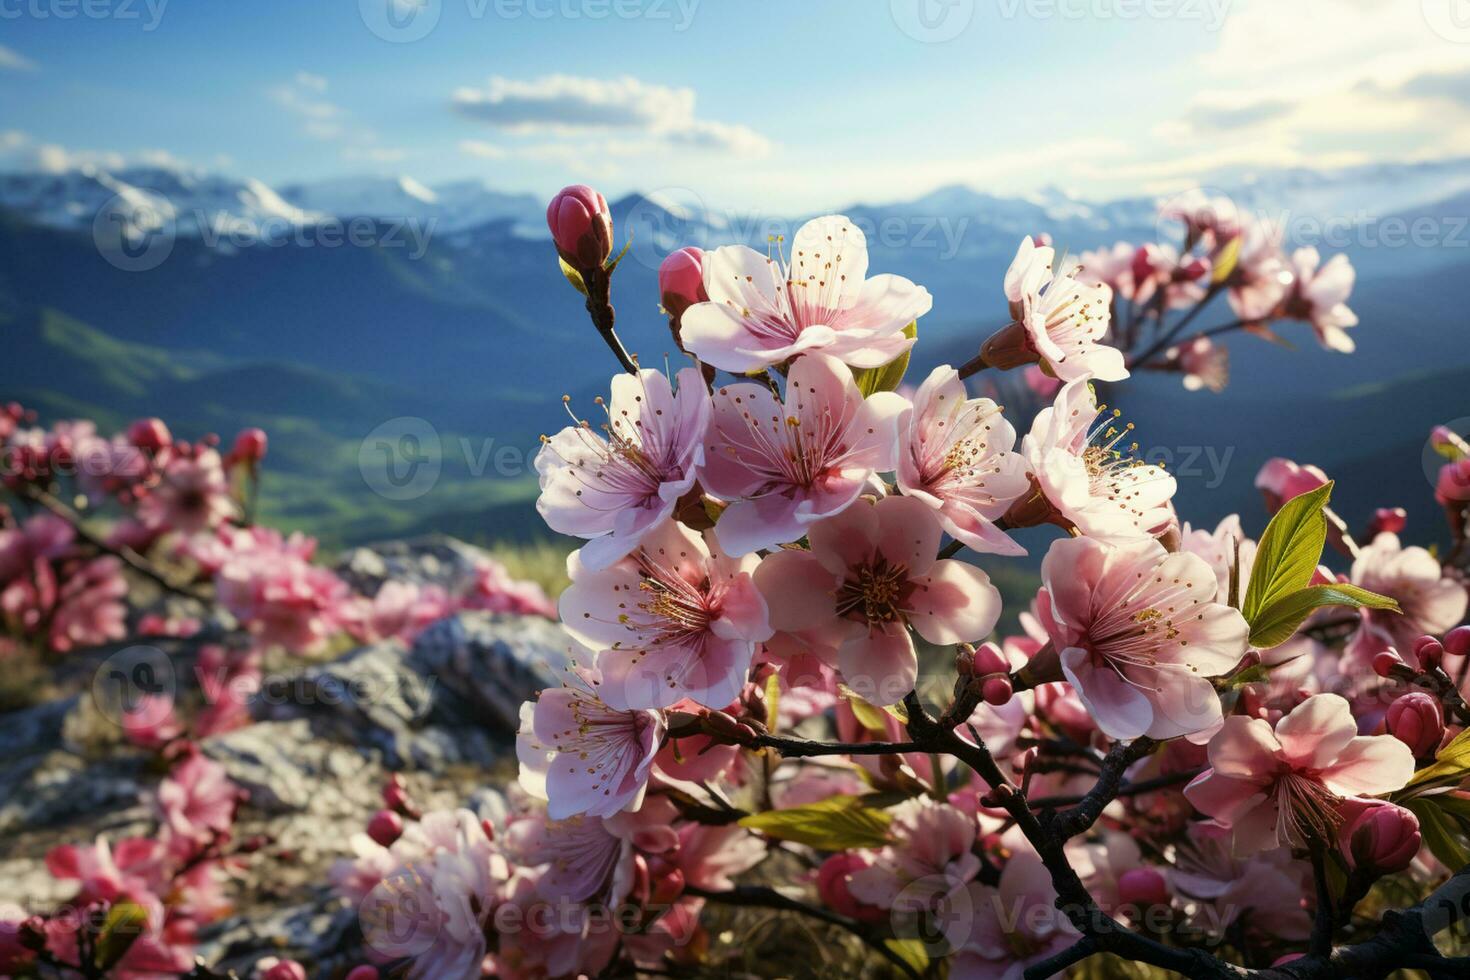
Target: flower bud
1452 488
1417 720
149 435
667 888
395 795
681 280
1142 888
363 973
1389 519
832 886
285 970
250 445
1384 839
997 691
1279 480
1385 661
1009 347
1429 651
1457 641
581 227
1448 443
385 827
990 660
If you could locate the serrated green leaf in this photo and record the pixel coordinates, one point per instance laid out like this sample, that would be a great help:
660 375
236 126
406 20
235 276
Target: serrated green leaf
870 381
1289 551
911 951
1451 764
834 824
573 276
125 922
1279 621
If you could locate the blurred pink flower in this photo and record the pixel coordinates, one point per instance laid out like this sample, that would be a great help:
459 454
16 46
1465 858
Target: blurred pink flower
1014 924
1139 633
677 618
269 584
955 456
1279 480
871 572
931 858
1205 364
615 487
1221 548
90 610
762 311
787 466
192 495
1260 279
196 804
1319 296
1429 600
1286 786
496 591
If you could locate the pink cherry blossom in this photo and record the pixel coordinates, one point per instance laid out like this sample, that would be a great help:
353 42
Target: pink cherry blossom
614 487
870 573
762 311
398 609
1260 279
192 495
1160 268
1063 319
496 591
89 608
269 583
677 618
1206 364
1090 475
1012 925
1139 632
931 857
1213 219
196 804
582 756
1279 480
955 456
787 466
1109 266
1284 787
1222 548
1430 601
1263 890
1319 296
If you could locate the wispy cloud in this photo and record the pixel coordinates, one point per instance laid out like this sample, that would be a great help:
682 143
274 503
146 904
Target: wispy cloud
305 96
12 60
569 105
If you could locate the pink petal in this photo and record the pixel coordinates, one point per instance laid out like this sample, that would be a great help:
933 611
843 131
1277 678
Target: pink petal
798 590
954 603
880 665
908 534
1245 748
1120 709
847 539
1315 731
1223 797
1369 765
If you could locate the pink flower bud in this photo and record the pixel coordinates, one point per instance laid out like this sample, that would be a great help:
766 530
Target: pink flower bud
149 435
385 827
1288 958
1447 442
1385 661
1390 519
363 973
832 886
581 226
1453 486
997 691
395 796
1429 651
990 660
667 888
681 280
1384 839
250 445
285 970
1457 641
1279 480
1417 720
1143 888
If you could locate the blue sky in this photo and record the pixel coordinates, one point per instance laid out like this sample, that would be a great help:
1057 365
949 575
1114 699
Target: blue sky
754 103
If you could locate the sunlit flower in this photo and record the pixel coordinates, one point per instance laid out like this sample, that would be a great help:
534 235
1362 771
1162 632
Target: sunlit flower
763 311
1429 601
1319 295
613 488
954 455
1063 319
787 466
1286 786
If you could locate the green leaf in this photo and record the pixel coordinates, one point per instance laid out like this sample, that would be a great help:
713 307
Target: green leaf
911 951
1226 260
870 715
773 702
125 922
870 381
834 824
1451 764
1289 551
613 263
1446 833
1278 622
573 276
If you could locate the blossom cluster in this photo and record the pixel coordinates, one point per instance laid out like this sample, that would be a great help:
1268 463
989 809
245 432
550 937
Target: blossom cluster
765 568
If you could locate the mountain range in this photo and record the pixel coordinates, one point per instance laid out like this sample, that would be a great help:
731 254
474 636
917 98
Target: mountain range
253 307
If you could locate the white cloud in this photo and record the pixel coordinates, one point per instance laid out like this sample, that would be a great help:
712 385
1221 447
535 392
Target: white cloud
569 105
304 96
482 149
18 152
12 60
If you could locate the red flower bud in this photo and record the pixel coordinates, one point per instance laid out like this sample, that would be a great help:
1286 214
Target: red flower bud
395 797
250 445
1385 661
385 827
1457 641
997 691
1429 651
149 435
667 888
285 970
1384 839
681 280
1143 888
1417 720
832 886
581 226
990 660
363 973
1390 519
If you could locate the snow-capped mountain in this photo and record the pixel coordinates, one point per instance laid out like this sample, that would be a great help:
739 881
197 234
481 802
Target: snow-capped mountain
451 207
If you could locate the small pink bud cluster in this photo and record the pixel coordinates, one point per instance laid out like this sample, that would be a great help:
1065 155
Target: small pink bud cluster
581 226
1417 720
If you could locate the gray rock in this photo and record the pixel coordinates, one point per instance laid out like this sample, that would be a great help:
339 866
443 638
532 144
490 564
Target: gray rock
285 768
493 662
433 559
